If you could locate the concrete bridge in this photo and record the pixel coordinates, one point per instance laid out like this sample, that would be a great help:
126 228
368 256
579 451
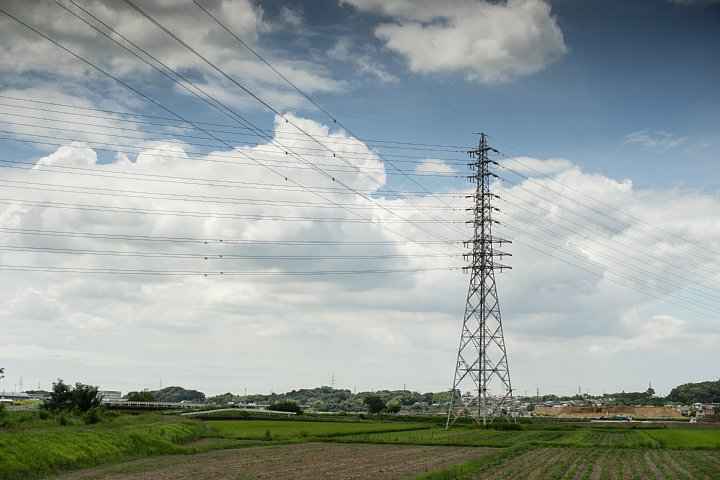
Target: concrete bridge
122 405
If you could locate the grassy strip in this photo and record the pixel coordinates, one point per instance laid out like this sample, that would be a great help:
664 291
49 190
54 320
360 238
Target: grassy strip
463 470
267 430
467 436
35 453
687 438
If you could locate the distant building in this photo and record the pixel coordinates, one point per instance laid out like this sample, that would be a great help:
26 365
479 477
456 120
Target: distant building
38 394
704 409
111 395
13 396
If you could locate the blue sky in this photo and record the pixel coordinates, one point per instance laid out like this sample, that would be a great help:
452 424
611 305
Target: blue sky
609 110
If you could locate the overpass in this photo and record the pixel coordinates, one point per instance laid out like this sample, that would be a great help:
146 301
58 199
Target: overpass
123 405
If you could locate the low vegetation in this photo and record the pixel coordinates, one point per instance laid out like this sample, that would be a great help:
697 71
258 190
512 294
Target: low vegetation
41 443
33 444
281 430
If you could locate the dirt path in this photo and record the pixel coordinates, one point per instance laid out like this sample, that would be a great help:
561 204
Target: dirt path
300 461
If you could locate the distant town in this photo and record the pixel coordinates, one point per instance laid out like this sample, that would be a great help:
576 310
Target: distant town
696 402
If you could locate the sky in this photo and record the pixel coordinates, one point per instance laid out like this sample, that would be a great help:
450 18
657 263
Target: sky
259 196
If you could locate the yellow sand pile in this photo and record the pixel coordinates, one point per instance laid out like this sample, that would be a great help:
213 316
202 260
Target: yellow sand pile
639 413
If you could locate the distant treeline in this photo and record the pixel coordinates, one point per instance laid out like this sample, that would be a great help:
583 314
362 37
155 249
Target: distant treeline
703 392
167 394
328 399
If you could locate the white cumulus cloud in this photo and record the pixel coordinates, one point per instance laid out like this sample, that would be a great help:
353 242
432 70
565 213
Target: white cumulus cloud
488 42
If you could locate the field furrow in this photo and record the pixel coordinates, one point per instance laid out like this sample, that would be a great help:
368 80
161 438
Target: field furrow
684 473
285 462
511 466
649 464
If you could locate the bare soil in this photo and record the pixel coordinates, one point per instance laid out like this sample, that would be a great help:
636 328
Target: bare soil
298 461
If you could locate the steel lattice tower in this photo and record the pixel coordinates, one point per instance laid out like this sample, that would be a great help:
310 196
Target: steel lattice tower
482 369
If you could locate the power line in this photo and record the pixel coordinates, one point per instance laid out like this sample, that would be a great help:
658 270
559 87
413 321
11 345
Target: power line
621 251
286 80
117 193
239 273
208 240
224 108
608 216
615 209
183 119
104 172
643 277
385 143
201 214
599 274
239 85
327 167
216 256
425 160
619 256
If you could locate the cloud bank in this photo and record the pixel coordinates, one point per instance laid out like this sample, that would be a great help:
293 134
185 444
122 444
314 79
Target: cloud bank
260 326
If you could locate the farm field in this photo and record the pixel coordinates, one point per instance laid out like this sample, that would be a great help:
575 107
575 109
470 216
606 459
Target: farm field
606 463
297 461
158 446
618 438
460 436
263 429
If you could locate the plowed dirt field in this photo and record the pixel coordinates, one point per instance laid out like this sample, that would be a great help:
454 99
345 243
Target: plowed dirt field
300 461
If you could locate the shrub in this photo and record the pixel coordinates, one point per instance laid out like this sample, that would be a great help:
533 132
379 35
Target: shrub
94 415
505 426
287 406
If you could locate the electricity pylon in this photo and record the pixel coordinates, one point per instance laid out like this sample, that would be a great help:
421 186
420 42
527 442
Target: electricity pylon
481 388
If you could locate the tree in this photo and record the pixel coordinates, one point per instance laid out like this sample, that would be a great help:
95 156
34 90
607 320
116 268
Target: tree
85 397
375 403
144 396
178 394
393 406
223 399
2 372
703 392
286 406
64 398
60 398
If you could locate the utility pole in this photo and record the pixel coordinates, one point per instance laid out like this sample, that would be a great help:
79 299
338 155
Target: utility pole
481 369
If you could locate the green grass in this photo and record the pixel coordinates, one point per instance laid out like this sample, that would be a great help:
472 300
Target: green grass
257 429
33 452
686 438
